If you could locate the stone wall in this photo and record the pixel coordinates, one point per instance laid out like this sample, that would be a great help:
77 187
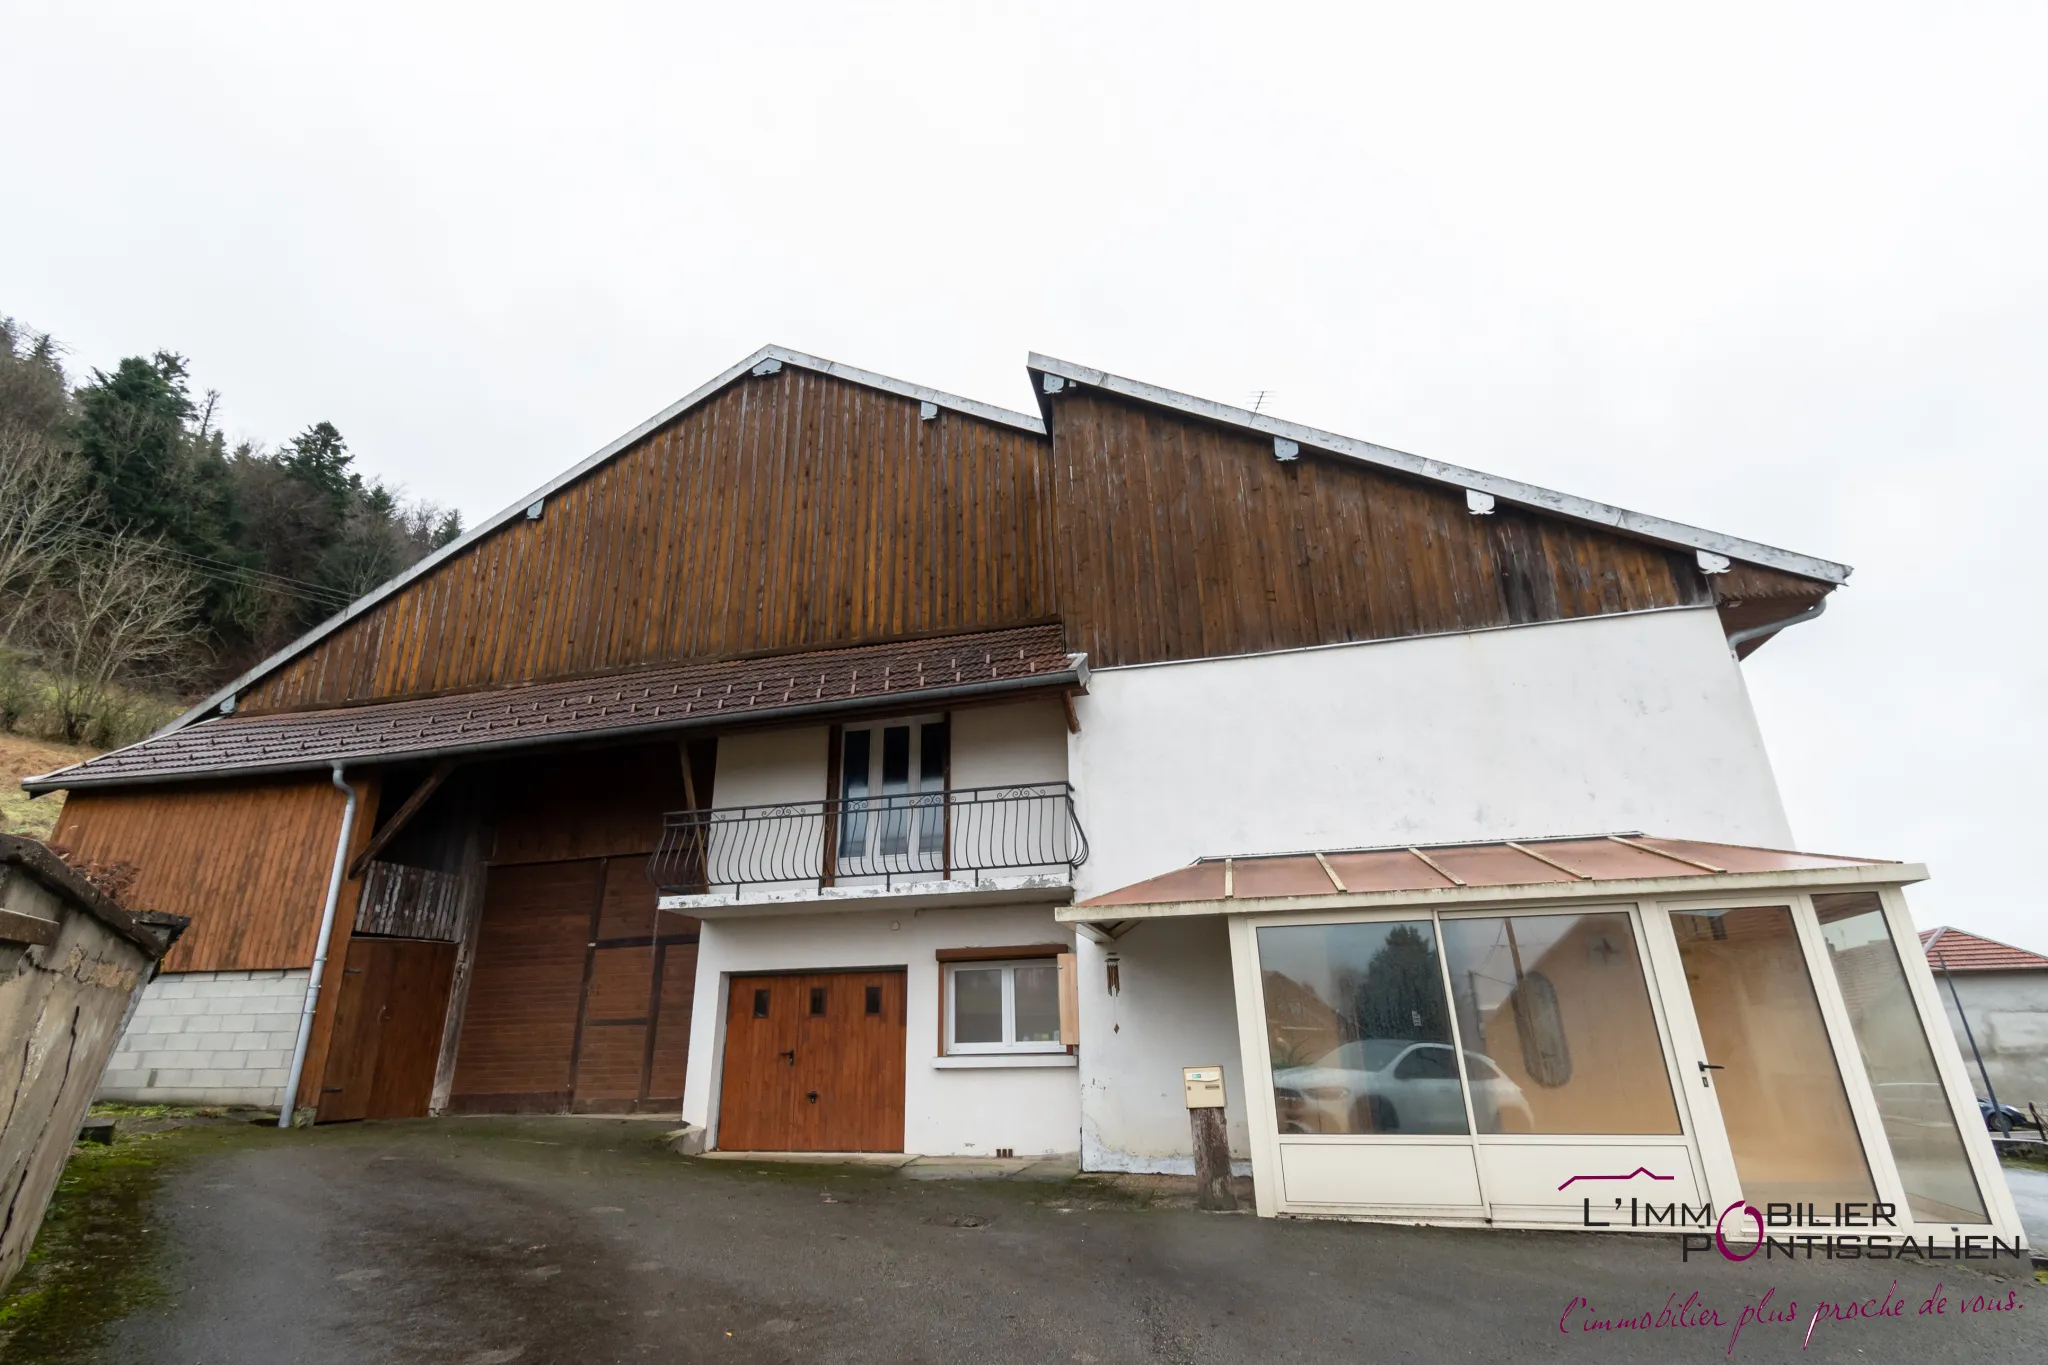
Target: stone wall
70 963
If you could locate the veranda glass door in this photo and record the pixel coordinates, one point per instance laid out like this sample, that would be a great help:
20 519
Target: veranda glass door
1817 1061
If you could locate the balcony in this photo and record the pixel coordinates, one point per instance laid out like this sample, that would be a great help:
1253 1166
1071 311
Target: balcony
979 839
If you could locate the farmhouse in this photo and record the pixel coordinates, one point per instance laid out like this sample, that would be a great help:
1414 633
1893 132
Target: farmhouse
843 765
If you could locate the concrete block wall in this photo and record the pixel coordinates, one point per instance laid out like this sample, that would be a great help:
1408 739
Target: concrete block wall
209 1038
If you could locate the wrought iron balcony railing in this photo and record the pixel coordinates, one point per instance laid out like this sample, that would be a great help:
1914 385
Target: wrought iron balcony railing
885 841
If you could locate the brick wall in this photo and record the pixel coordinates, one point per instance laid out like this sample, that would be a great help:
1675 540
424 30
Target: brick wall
209 1038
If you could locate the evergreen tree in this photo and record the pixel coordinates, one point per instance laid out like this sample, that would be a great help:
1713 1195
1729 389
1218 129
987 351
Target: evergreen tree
155 476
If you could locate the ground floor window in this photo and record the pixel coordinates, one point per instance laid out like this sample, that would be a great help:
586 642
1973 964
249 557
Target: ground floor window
1536 1023
1003 1006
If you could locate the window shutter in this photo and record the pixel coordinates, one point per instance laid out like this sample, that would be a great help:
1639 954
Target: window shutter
1070 1001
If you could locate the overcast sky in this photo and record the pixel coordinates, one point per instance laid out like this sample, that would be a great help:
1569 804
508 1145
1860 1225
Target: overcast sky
1777 271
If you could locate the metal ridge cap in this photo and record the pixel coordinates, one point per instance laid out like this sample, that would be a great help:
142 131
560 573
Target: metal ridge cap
903 388
726 377
1511 490
310 763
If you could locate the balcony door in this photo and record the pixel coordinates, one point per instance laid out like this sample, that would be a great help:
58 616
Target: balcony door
891 812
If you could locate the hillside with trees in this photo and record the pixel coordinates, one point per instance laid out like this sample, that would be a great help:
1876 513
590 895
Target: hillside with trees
144 561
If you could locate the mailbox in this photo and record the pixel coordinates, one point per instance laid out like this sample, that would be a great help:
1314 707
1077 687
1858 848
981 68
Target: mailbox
1204 1086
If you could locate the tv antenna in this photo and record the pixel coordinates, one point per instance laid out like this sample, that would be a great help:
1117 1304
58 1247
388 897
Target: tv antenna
1259 397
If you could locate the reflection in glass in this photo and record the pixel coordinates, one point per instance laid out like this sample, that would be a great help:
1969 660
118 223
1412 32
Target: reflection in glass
978 1005
1560 1005
1359 1030
931 786
1918 1122
895 840
853 790
1779 1089
1038 1003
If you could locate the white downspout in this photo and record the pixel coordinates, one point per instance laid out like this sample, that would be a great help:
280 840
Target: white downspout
348 824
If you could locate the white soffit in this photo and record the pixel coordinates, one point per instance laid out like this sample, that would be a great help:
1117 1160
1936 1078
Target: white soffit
774 357
1507 490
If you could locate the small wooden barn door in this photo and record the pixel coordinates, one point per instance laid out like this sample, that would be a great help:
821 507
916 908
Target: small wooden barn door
814 1062
387 1029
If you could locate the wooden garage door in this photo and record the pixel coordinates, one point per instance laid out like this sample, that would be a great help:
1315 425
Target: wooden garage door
814 1062
580 998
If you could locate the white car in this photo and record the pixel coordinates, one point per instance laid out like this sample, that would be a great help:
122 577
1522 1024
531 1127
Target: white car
1392 1085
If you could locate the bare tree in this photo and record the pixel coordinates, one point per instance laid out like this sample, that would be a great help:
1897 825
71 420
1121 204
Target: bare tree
42 496
121 612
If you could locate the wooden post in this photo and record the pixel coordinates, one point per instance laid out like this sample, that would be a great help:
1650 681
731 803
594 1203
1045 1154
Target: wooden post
1204 1085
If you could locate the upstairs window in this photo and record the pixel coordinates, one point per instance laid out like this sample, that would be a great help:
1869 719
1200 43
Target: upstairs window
892 792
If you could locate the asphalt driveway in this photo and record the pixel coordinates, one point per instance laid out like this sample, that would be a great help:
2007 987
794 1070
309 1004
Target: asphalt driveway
484 1242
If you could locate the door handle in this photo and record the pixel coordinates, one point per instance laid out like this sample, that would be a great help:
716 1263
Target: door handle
791 1054
1705 1067
812 1096
1711 1066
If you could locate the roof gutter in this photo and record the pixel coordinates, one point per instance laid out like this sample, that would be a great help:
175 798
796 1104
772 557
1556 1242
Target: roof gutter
1076 676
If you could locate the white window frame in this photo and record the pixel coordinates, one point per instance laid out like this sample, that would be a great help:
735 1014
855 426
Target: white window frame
869 859
1009 1044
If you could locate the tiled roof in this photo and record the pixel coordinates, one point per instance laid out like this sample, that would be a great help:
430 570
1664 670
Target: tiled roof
655 699
1449 867
1972 953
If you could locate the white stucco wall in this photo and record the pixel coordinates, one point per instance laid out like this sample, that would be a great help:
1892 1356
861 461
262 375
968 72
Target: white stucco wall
1616 723
946 1112
209 1038
1174 1008
1015 742
767 767
2009 1016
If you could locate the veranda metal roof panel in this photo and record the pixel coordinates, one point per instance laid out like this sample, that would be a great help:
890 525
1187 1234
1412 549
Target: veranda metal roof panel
1546 867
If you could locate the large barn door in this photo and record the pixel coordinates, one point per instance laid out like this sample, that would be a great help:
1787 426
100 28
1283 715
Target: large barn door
634 1037
518 1039
580 998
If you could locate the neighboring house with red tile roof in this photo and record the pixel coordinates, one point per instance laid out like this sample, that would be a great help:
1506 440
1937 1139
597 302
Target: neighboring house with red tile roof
2002 990
835 764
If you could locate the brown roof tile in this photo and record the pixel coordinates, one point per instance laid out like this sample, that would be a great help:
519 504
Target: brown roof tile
1963 952
655 699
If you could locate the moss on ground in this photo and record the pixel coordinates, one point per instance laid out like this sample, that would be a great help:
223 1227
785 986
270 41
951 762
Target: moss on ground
94 1259
2032 1158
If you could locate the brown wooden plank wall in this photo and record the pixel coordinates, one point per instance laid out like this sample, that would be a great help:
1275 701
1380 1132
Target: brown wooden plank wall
247 861
593 804
1183 539
788 511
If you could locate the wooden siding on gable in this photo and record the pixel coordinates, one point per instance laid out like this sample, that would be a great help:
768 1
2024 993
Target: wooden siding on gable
1180 539
786 512
249 863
